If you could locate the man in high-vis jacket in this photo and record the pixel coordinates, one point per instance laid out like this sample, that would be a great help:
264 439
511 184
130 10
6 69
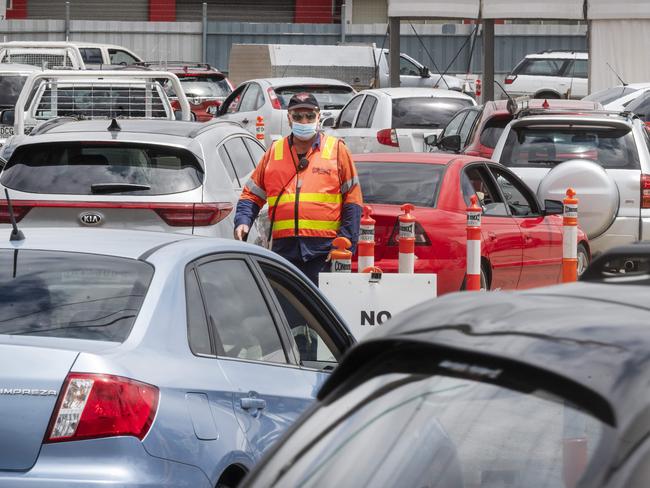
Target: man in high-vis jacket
311 185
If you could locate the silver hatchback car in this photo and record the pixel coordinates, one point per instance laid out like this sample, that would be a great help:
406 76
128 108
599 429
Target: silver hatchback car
169 176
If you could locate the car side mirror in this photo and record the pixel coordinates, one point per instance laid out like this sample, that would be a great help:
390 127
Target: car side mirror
431 140
7 117
328 122
553 207
450 143
424 72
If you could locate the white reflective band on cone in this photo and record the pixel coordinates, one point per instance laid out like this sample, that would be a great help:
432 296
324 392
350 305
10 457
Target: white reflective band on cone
570 242
365 262
341 266
473 257
406 263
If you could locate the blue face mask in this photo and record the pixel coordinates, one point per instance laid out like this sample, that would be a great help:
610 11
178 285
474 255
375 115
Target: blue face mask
304 131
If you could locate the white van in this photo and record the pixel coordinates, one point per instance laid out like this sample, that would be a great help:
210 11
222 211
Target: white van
78 55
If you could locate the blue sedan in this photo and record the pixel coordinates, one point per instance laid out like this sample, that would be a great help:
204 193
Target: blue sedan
149 359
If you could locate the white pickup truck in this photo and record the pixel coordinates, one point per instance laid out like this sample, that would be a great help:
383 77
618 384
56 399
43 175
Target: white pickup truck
77 55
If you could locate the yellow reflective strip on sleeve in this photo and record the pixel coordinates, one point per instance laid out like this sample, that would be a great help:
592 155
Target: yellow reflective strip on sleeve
279 149
308 197
329 147
306 224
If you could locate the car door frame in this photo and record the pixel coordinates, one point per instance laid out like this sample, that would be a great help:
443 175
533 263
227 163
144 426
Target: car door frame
461 113
336 130
539 267
345 339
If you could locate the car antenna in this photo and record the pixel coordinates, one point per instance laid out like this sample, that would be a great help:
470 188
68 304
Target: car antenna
114 127
16 234
617 75
511 105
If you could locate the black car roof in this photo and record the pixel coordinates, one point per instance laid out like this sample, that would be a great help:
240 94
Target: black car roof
595 335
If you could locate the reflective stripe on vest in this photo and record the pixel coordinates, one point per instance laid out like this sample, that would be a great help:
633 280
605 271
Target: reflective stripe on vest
307 197
306 224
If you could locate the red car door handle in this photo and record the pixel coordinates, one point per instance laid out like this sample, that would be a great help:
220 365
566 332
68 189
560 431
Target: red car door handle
528 237
492 236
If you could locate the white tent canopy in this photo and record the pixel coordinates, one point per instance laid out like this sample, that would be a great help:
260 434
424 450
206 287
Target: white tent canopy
619 30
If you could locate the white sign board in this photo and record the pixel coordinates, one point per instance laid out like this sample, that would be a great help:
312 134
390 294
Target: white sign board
365 305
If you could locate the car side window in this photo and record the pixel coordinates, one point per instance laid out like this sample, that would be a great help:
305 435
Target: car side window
315 344
347 115
241 159
475 180
518 199
237 311
366 112
492 131
231 105
118 56
197 324
578 69
91 55
408 68
256 151
227 163
466 128
542 67
253 99
453 127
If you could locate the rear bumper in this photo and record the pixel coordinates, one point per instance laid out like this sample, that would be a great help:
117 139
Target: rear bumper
624 230
119 461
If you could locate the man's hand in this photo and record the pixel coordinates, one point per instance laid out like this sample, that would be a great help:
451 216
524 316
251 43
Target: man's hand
241 232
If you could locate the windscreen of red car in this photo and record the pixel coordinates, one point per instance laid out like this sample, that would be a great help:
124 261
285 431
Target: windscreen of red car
399 183
542 146
330 97
71 295
88 168
425 112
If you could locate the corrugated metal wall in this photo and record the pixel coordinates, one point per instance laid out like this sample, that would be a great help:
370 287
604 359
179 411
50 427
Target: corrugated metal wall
131 10
183 40
237 10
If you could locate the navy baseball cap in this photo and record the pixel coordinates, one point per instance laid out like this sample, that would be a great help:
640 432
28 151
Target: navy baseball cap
303 100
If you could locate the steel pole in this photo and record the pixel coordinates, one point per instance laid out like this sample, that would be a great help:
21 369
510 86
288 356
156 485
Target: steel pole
204 47
488 60
394 27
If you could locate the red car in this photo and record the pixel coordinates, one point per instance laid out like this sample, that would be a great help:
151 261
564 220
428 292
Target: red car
478 128
205 88
521 238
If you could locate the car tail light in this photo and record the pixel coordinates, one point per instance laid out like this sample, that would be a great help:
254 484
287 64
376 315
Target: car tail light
275 101
510 79
97 405
174 214
388 137
645 191
421 238
197 214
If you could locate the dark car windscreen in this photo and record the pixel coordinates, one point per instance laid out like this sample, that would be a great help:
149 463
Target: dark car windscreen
330 97
201 87
71 295
416 430
89 168
10 88
547 146
425 112
399 183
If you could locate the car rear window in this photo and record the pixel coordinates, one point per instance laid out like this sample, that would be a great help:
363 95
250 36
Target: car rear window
330 97
425 112
610 94
492 131
88 168
10 88
399 183
540 67
201 87
72 295
549 146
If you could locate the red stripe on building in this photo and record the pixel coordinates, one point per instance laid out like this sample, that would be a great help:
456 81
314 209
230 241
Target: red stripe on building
18 10
162 10
313 12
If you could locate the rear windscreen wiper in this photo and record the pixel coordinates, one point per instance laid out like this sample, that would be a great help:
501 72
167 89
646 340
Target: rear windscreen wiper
117 187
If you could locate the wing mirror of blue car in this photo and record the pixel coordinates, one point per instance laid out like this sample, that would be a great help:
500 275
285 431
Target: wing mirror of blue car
7 117
450 143
553 207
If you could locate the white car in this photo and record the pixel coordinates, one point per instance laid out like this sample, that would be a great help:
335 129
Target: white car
620 97
167 176
12 80
549 74
396 119
269 98
53 54
604 156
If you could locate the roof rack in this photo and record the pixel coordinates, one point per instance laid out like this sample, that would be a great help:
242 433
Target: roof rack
548 51
177 64
527 111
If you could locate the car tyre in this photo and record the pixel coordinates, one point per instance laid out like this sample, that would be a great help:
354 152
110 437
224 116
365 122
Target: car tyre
484 280
547 96
583 259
